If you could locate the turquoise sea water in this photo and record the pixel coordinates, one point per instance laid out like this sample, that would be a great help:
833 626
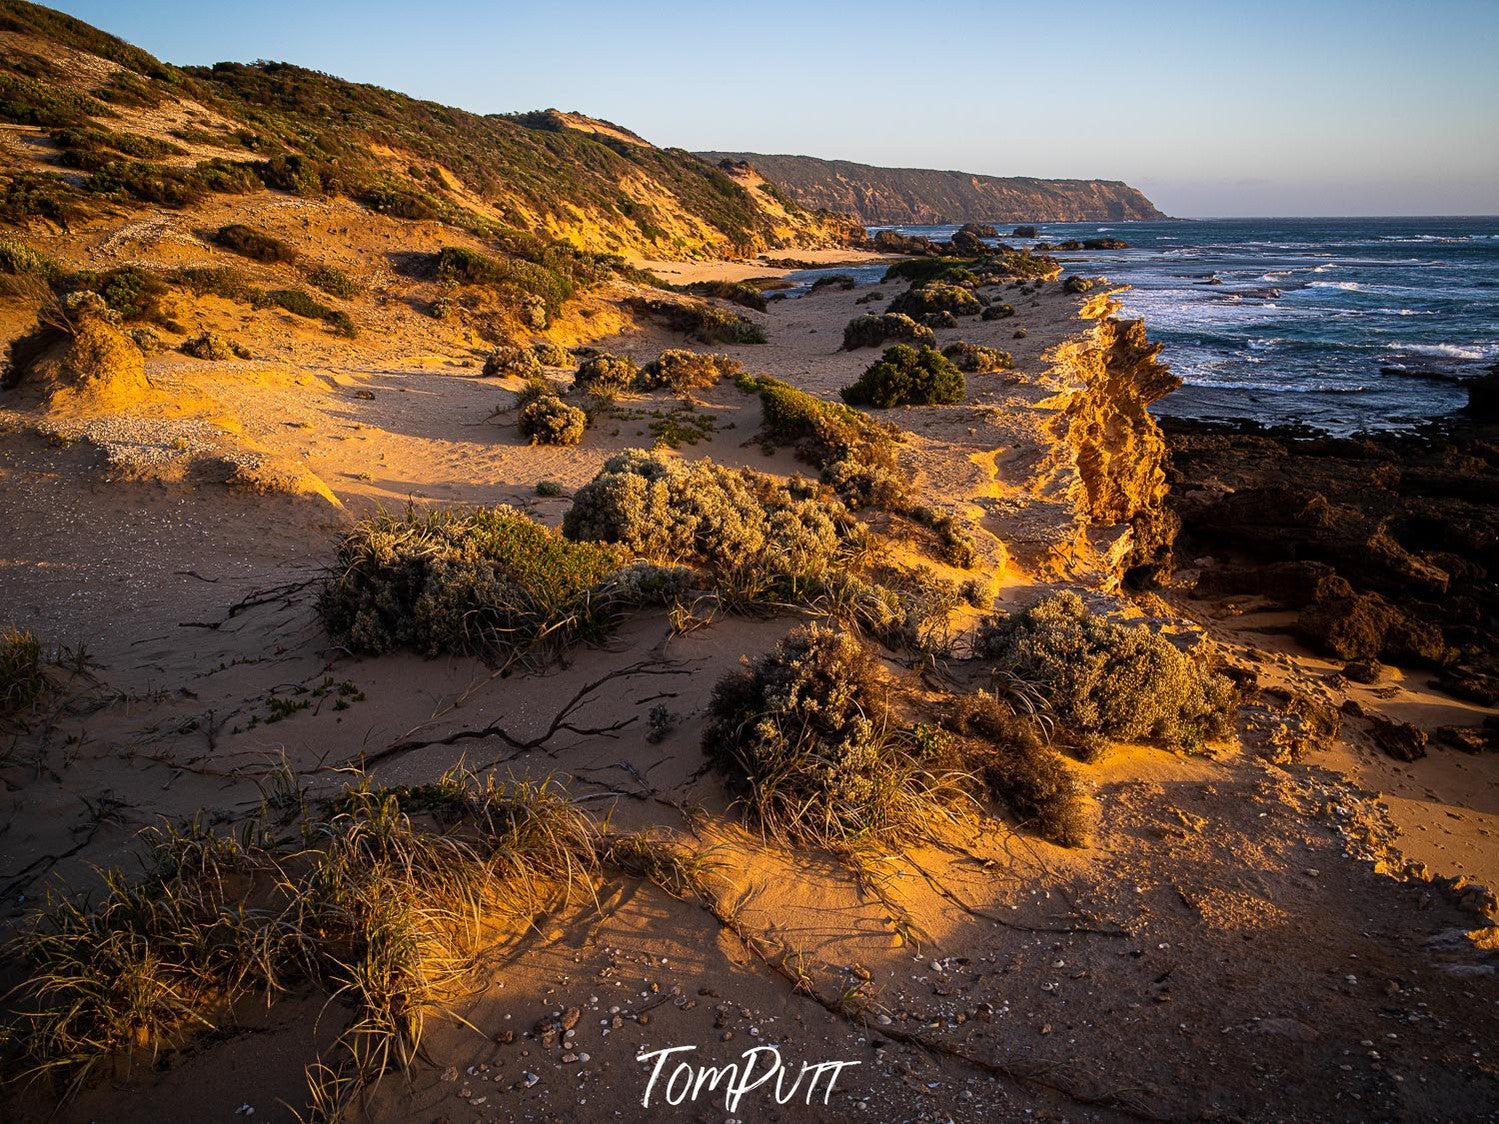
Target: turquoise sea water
1310 317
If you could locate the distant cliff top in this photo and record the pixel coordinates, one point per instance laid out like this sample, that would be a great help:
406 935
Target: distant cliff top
923 195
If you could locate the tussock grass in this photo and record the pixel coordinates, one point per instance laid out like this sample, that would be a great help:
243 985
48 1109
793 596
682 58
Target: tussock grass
807 740
383 904
22 680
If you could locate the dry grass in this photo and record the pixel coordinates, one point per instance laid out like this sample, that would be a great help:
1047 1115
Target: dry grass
383 904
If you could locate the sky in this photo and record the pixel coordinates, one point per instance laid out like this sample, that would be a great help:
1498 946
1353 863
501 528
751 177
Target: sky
1212 108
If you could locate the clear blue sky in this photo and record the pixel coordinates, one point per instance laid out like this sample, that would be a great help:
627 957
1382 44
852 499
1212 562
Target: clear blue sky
1317 107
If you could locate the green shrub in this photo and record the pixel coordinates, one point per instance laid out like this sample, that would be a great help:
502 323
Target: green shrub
219 281
754 535
299 303
89 149
955 545
606 375
738 292
46 197
131 292
19 259
333 281
807 741
682 370
906 376
489 582
512 361
1103 677
840 281
876 330
550 354
719 325
975 358
547 420
21 679
26 101
856 455
921 270
341 324
936 296
705 323
999 311
211 345
1007 755
939 320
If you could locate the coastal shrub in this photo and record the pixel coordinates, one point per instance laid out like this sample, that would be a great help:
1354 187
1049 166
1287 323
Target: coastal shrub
1103 677
512 361
919 271
21 678
877 329
703 322
906 376
936 296
975 358
333 281
737 292
1076 284
489 582
939 320
998 311
955 545
807 742
218 281
547 420
550 354
19 259
681 370
606 375
299 303
49 104
840 281
251 243
1016 767
856 455
131 292
211 345
719 325
754 535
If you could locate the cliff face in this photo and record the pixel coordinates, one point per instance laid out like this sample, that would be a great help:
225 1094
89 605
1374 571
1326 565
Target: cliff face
882 196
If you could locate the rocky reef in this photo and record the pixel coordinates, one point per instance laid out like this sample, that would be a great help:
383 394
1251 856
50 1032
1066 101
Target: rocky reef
1382 545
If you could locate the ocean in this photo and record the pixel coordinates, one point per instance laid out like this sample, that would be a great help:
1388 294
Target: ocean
1338 324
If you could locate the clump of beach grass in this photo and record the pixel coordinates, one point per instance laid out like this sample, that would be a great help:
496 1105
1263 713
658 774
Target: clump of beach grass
809 745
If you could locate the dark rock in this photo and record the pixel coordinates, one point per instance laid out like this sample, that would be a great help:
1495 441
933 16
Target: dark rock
1471 739
1399 740
1364 671
1024 232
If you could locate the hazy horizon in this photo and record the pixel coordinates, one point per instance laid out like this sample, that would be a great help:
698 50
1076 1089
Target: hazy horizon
1338 109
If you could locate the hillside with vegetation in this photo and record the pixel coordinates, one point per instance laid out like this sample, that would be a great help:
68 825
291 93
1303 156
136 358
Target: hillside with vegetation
96 126
881 196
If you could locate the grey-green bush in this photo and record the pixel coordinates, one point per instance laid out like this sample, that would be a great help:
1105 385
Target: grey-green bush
754 535
1098 675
